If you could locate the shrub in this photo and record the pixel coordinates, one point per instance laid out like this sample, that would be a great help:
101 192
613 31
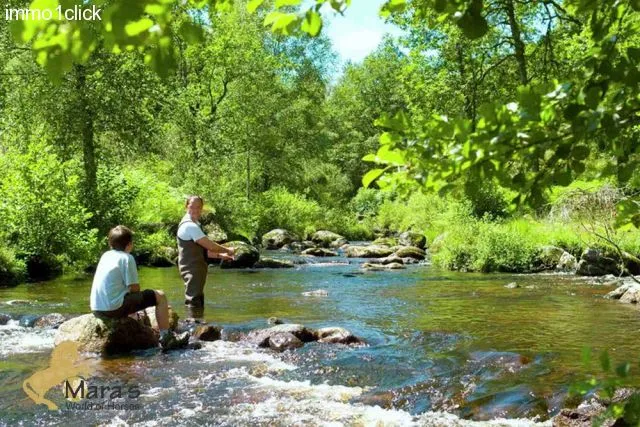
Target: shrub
282 209
12 269
41 211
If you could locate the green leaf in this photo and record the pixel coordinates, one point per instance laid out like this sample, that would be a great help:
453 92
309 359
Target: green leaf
283 3
371 176
392 6
192 32
312 23
137 27
253 5
580 152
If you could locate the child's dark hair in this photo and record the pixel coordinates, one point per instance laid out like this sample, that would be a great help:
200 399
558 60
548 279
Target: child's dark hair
120 237
192 199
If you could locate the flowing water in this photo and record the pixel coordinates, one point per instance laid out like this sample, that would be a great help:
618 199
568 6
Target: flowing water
443 349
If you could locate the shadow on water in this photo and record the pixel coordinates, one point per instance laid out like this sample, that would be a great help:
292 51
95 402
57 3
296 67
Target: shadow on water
437 341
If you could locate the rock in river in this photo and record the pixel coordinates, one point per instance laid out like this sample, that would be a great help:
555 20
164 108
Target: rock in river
107 336
275 239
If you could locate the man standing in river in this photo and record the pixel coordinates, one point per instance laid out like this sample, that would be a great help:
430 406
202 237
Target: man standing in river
193 249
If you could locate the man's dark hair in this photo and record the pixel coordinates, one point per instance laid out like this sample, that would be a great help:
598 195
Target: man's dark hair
119 237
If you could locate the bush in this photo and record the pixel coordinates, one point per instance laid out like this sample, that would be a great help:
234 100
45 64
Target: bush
156 200
41 211
12 269
294 212
151 249
114 200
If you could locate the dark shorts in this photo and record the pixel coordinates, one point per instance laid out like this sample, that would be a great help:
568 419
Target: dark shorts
131 303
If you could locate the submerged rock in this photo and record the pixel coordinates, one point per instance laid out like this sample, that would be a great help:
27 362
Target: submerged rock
245 256
328 239
107 336
319 252
4 319
382 267
28 320
53 321
273 263
261 337
337 335
274 321
393 258
411 238
284 341
512 285
207 333
371 251
316 293
275 239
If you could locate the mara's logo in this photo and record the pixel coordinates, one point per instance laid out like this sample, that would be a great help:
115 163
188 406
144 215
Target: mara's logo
65 365
78 388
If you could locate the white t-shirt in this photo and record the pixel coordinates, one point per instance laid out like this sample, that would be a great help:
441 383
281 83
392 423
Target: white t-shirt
116 271
190 230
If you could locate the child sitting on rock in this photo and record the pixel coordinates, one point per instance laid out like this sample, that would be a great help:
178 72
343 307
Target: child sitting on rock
115 292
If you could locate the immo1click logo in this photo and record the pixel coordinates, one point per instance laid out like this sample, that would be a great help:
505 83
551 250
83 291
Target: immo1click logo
68 369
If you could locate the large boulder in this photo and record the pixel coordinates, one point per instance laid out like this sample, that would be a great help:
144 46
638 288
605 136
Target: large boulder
595 262
411 238
245 256
328 239
385 241
319 252
275 239
371 251
567 263
411 252
548 257
215 233
261 337
273 263
107 336
284 341
4 318
163 256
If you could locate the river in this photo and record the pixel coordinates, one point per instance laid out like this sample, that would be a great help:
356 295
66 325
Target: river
444 348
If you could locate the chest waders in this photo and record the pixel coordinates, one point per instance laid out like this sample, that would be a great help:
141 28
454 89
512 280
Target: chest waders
192 264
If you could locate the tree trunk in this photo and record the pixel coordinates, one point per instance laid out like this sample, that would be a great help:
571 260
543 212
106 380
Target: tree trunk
518 44
85 120
468 103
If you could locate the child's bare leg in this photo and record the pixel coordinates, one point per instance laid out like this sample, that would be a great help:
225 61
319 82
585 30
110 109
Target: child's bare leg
162 311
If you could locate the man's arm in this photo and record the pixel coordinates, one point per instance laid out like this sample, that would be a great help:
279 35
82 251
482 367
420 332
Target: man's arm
214 248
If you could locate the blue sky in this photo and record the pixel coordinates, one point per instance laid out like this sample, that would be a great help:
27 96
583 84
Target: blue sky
359 31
